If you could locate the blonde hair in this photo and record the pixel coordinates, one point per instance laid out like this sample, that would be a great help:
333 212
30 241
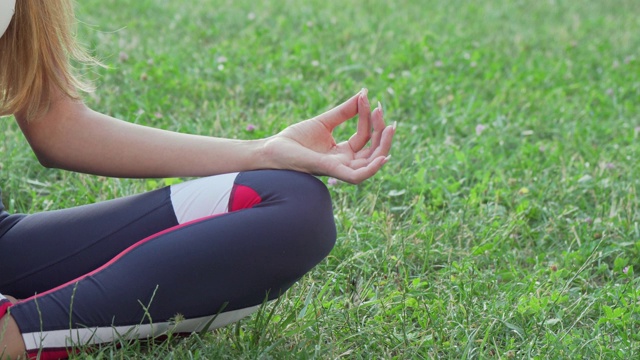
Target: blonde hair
35 57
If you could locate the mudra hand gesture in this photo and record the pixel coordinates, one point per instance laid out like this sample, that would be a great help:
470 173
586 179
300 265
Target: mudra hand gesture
309 146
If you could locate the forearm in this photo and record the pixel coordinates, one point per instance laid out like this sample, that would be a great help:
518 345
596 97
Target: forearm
80 139
73 137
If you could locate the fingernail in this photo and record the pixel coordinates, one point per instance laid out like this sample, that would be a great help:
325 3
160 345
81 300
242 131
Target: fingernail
395 124
364 91
380 107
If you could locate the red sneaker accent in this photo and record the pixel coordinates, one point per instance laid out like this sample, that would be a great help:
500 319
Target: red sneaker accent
4 305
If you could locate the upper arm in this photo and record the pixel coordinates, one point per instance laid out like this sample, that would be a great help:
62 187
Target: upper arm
49 132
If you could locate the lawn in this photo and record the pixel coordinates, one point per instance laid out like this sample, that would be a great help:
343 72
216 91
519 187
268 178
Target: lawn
506 223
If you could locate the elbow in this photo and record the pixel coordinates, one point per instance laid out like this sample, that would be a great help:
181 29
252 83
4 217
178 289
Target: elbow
46 157
46 146
48 136
46 160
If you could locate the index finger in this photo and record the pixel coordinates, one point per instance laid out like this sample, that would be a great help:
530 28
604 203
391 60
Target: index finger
363 134
340 113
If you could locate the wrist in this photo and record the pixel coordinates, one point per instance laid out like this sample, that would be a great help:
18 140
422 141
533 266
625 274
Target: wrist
266 155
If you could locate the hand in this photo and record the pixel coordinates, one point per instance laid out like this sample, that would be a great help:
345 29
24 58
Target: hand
309 146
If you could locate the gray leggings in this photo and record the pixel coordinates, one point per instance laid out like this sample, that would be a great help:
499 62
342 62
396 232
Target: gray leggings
207 252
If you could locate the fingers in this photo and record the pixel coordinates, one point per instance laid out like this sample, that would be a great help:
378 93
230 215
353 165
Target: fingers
376 135
384 145
371 153
362 135
362 168
356 176
378 126
362 162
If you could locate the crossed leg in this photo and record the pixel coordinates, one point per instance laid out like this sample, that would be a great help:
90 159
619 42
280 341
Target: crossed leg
210 248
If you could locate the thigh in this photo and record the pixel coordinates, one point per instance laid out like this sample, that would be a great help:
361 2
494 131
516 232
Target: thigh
44 250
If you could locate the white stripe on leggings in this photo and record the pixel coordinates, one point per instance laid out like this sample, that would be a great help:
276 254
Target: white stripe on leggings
90 336
202 197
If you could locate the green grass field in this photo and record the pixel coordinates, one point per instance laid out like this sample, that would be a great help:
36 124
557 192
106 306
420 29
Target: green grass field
506 224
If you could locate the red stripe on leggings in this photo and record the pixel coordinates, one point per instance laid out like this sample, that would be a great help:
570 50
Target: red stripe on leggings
123 253
242 197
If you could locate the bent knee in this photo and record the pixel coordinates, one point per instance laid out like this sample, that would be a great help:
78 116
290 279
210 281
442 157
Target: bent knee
301 203
312 210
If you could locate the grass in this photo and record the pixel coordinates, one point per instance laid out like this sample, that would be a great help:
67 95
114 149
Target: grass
506 224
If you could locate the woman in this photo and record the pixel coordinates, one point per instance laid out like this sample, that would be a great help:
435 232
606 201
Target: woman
192 256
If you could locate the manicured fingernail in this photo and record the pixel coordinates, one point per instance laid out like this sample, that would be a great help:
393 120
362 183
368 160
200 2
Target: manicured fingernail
380 107
395 125
364 98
